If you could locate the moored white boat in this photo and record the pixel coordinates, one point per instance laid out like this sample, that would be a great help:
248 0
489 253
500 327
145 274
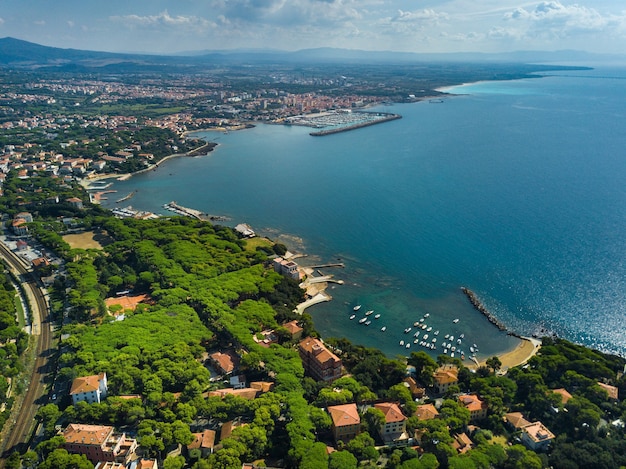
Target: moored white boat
352 317
367 313
384 328
357 307
362 320
377 316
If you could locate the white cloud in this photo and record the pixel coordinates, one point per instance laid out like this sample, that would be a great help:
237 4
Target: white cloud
420 16
555 19
1 21
163 19
70 23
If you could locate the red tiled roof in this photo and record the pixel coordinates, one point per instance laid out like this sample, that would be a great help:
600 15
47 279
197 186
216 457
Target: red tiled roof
87 434
86 384
346 414
392 412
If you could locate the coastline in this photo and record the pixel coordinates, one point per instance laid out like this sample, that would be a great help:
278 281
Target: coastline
526 349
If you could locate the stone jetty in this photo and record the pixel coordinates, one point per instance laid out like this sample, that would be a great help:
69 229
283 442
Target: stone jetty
471 296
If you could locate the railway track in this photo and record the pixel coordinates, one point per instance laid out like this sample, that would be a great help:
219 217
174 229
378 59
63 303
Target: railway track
21 430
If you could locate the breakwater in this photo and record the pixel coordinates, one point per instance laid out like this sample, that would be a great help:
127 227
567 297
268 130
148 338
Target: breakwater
471 296
386 118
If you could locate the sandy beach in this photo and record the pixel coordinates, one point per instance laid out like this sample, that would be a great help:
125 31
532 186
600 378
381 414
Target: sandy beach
519 355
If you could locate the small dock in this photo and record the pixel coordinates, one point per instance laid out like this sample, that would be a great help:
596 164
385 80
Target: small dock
340 264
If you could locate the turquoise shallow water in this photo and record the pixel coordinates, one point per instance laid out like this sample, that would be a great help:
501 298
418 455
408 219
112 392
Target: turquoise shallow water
513 189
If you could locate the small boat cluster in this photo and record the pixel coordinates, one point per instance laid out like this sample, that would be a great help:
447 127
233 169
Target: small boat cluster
366 319
424 336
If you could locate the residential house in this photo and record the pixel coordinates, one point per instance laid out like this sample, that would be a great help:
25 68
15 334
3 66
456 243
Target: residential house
318 361
75 202
536 436
19 227
90 389
462 443
144 464
346 421
224 363
417 392
565 396
294 329
612 391
426 412
393 430
477 407
98 443
444 377
204 441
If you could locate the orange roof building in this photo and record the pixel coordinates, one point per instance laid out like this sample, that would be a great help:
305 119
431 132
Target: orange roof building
294 329
318 361
445 377
91 389
612 391
426 412
477 408
393 431
98 443
346 421
462 443
204 441
224 362
565 396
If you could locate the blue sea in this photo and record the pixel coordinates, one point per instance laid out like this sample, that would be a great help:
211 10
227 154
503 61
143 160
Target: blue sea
514 189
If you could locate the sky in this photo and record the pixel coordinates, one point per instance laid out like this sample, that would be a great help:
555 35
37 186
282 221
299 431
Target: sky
171 26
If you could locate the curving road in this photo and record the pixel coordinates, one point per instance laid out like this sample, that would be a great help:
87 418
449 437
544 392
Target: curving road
22 429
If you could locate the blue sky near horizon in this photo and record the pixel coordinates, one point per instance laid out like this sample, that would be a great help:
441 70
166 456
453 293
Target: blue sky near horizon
168 26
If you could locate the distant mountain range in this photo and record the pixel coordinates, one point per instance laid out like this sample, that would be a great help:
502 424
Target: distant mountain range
24 54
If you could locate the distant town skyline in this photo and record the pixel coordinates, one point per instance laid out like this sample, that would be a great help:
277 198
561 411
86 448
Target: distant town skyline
166 26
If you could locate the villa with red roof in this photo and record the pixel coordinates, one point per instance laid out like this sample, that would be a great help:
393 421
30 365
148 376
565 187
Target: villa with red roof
393 431
346 421
91 389
426 412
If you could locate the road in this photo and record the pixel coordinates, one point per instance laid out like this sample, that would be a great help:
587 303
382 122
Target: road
21 430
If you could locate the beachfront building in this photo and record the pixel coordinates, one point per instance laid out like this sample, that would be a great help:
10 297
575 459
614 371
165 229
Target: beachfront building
98 443
477 408
346 422
319 362
417 392
90 389
444 377
287 268
393 430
